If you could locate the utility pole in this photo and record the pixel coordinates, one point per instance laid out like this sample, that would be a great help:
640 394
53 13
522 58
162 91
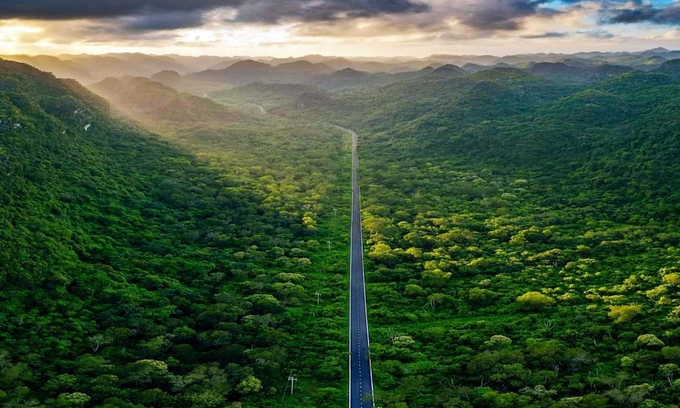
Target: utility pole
318 298
292 383
329 245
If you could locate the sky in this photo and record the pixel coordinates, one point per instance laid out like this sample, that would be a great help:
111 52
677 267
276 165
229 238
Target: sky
282 28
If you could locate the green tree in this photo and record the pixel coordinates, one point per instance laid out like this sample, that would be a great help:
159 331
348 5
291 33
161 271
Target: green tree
671 353
624 314
249 385
535 300
74 399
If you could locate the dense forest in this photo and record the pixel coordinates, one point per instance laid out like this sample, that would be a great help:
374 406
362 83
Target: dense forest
522 234
167 249
188 267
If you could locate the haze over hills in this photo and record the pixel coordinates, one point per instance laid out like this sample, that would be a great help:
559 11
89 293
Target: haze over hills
575 67
248 71
89 69
147 100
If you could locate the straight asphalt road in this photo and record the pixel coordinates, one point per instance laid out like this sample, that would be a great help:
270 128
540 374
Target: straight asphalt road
360 375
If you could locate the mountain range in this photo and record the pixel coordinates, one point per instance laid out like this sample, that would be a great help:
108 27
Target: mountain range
89 69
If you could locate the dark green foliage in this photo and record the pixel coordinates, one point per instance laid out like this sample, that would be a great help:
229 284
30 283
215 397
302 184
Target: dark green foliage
521 237
138 273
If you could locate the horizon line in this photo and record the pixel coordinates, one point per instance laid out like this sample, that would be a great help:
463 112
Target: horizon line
339 56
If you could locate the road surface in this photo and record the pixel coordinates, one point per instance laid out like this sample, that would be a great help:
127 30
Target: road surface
360 375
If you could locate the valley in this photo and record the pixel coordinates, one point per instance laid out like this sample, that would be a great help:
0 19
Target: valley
182 268
517 251
199 239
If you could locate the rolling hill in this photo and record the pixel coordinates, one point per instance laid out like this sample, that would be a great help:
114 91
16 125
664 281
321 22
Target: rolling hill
149 100
520 220
141 271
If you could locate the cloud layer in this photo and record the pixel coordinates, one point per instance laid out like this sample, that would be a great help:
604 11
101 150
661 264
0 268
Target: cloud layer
646 13
208 22
165 14
326 10
482 15
88 9
501 14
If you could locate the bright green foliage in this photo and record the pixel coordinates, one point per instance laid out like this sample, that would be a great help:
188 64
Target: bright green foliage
74 399
249 385
533 208
624 314
498 340
535 300
649 340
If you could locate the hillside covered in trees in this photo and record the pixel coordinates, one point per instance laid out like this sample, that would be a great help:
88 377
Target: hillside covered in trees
161 249
171 269
522 235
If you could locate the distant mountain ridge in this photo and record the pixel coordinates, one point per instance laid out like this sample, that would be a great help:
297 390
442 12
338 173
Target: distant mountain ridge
247 71
89 69
448 70
580 72
146 99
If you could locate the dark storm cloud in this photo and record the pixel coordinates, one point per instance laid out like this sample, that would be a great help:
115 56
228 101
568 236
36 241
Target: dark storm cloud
646 14
635 11
482 17
169 14
95 9
323 10
505 15
164 21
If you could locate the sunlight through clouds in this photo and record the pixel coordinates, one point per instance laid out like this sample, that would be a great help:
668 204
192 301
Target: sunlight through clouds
12 34
297 27
235 37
